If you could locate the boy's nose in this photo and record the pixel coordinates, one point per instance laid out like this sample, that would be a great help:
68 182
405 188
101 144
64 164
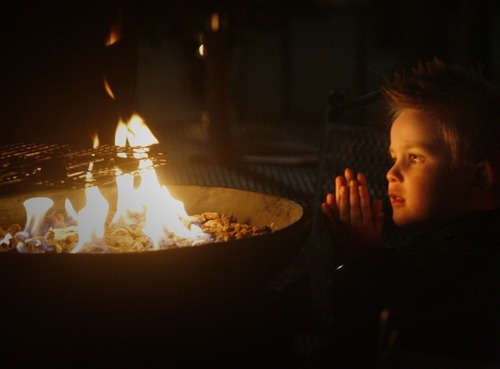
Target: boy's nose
392 174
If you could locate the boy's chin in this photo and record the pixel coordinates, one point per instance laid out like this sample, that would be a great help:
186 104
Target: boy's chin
414 224
402 221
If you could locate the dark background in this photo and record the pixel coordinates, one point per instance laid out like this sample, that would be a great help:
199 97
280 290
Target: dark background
275 64
279 58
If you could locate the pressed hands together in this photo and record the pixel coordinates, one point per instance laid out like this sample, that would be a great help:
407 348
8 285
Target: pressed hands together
355 223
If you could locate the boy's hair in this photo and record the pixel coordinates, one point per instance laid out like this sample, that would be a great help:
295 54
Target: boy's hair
462 103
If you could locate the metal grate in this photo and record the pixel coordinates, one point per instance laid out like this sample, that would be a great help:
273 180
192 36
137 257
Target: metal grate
30 162
55 165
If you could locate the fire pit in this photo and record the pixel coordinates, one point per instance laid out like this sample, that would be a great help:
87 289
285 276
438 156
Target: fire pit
135 309
279 215
204 298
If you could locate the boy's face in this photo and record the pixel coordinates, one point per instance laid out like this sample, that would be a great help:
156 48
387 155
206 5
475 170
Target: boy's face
423 188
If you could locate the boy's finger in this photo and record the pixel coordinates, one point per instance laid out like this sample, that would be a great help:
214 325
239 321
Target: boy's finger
377 207
361 179
339 182
366 210
330 216
343 204
354 201
330 199
349 175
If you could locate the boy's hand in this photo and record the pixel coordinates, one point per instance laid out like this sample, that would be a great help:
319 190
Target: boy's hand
354 222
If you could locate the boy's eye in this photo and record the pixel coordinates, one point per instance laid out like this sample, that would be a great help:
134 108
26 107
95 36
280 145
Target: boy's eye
415 159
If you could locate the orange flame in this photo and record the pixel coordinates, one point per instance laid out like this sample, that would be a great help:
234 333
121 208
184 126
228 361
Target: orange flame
95 143
108 89
164 215
115 34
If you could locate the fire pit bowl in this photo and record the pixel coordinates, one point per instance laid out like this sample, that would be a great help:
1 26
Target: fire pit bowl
202 298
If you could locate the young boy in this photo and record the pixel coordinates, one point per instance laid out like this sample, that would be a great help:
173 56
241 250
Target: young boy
432 301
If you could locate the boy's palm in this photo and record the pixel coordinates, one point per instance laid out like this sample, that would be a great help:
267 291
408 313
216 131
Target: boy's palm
354 222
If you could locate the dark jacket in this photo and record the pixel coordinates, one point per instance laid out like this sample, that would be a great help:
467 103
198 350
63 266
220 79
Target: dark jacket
430 302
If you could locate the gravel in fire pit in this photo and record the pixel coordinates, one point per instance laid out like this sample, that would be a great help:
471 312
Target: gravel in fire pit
120 237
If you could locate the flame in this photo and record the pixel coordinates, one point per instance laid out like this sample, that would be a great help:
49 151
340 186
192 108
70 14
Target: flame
70 210
108 89
36 208
121 134
92 218
135 132
115 33
163 215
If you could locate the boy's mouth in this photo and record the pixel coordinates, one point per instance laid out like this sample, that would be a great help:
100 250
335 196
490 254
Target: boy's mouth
395 199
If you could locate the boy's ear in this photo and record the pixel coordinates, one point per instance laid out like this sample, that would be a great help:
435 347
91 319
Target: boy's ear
484 177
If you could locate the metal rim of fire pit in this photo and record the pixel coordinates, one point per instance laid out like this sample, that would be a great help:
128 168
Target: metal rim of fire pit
285 217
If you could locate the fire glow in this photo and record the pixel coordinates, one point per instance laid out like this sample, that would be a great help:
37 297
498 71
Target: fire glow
147 206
